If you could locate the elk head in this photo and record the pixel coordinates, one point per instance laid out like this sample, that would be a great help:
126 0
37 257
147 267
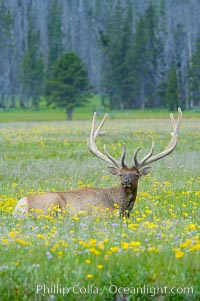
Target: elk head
123 195
130 175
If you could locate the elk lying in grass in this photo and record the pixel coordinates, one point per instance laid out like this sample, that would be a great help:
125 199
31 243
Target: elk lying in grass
123 195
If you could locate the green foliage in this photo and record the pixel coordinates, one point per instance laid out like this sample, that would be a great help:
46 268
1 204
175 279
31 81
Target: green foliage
132 59
68 83
32 68
156 247
6 22
54 33
171 94
194 76
85 113
115 43
129 43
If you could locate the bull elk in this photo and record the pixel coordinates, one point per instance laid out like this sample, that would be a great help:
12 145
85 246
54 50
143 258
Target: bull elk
123 195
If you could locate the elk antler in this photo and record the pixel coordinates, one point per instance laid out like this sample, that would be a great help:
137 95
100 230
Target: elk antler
93 148
148 159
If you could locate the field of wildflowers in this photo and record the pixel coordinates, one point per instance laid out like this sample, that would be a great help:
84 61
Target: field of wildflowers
153 255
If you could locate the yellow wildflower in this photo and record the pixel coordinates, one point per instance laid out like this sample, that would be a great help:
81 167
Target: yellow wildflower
179 254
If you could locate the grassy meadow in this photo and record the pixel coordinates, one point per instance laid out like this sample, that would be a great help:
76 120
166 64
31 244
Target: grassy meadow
47 113
153 255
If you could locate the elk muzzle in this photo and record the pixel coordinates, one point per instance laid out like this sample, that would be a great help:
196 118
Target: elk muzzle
126 181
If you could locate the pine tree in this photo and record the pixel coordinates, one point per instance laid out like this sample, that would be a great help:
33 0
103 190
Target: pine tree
194 76
54 33
132 65
136 62
32 69
171 95
126 79
145 56
179 45
68 84
6 24
115 42
6 21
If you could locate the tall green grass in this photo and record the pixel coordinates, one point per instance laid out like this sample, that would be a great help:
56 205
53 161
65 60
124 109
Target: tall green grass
84 113
153 255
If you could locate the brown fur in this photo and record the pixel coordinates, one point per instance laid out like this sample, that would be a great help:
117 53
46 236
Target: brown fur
123 196
87 198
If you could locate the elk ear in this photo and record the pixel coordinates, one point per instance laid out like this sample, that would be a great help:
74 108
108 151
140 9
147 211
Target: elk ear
144 171
114 171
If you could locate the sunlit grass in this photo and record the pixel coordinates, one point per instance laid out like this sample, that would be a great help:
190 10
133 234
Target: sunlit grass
157 247
46 113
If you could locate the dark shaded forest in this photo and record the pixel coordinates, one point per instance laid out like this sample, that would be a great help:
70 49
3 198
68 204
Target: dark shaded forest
138 53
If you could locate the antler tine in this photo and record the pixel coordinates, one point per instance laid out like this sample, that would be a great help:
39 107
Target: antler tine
98 131
92 146
172 120
164 153
176 126
135 157
115 162
170 147
148 155
123 155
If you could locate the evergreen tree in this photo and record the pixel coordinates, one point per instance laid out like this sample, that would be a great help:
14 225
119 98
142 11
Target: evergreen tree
6 21
32 69
154 52
145 56
54 33
180 43
6 24
115 43
194 76
68 83
132 67
171 95
136 62
126 66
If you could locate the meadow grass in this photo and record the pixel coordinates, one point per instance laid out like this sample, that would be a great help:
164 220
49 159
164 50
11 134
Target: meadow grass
85 112
153 255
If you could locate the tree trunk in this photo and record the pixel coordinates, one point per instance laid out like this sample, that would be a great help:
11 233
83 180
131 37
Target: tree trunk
12 100
69 113
21 103
142 97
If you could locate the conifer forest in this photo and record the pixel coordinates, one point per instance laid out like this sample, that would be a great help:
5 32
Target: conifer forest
138 53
